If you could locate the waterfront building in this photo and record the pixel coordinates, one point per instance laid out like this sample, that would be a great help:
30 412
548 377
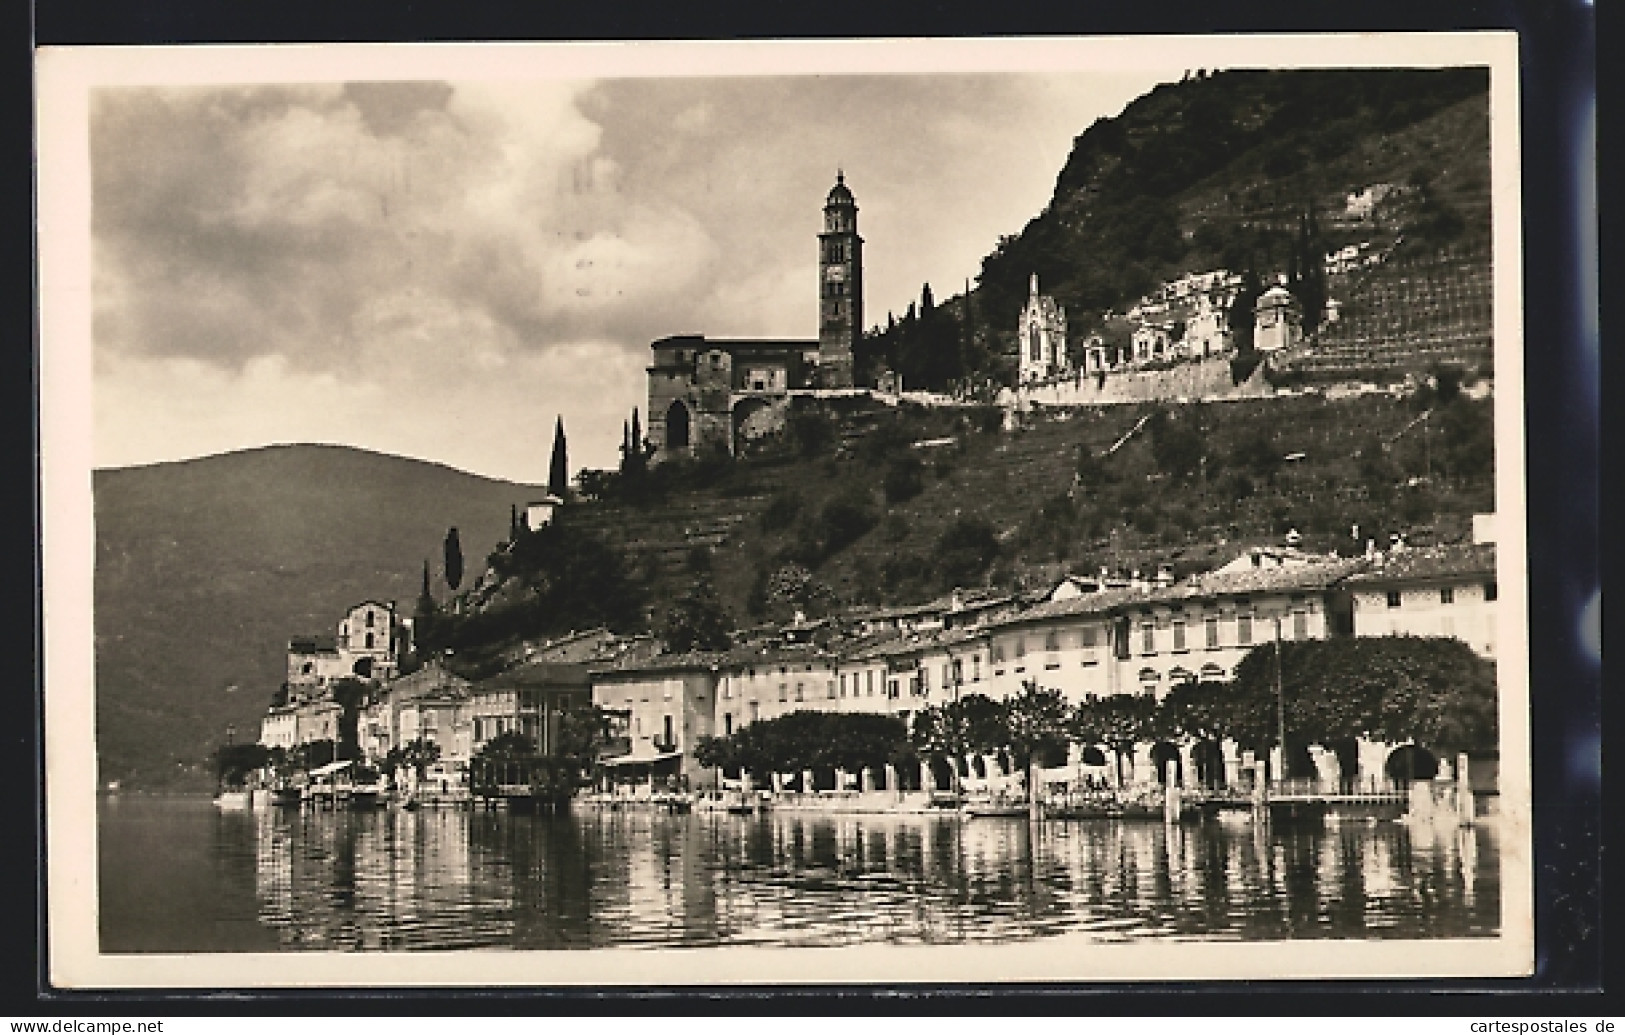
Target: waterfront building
378 728
528 700
667 704
1429 591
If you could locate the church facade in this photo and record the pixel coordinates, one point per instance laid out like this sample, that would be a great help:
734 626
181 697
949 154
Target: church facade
721 394
1041 338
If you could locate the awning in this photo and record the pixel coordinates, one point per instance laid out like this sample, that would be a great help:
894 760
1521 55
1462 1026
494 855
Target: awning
641 759
331 767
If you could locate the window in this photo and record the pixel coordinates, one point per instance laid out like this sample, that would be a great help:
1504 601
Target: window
1052 640
1244 629
727 688
1179 633
800 691
784 692
1447 595
369 641
369 619
997 653
869 682
1087 636
1021 647
831 692
976 668
1212 627
1300 625
843 684
727 724
1148 638
1490 590
755 711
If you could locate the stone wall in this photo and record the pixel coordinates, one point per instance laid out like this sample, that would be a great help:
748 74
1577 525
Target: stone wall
1199 379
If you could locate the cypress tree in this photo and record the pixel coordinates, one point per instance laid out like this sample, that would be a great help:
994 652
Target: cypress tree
425 597
558 470
513 523
454 559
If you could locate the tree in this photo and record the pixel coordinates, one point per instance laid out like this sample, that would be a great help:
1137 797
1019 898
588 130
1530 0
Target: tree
426 606
697 621
801 740
1117 721
416 755
1434 690
558 468
454 559
1240 316
233 762
1036 723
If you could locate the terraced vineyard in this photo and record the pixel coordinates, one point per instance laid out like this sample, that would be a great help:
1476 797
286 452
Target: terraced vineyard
1407 315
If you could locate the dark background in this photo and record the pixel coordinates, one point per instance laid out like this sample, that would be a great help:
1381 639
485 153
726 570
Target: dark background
1562 391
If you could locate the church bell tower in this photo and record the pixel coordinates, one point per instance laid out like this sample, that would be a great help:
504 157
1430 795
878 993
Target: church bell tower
840 287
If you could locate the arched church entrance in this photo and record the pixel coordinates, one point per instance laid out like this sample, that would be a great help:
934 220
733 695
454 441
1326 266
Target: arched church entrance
677 426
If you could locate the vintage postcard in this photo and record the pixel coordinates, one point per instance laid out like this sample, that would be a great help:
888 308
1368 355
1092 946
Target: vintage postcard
1065 522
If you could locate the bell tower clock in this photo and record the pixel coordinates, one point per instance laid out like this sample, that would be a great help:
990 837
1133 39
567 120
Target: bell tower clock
840 287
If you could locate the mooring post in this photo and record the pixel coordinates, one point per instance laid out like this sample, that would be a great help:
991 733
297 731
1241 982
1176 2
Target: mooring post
1170 796
1465 806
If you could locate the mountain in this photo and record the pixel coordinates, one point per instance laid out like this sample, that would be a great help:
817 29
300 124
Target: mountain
204 568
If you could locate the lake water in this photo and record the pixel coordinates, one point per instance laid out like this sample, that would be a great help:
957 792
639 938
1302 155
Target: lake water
179 875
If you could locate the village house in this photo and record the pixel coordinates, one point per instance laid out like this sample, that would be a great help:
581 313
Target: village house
528 700
1429 591
379 727
667 704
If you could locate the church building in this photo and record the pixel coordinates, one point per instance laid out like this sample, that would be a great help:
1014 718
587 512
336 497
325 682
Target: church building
1041 338
721 394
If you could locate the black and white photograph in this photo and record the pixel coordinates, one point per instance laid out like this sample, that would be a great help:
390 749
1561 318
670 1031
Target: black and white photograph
840 511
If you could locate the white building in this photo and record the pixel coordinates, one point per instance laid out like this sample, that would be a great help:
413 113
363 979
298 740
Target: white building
1041 338
1430 591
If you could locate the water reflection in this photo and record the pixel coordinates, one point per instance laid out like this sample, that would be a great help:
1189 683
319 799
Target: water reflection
179 876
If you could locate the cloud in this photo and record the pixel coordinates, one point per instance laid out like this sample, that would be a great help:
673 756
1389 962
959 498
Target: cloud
265 256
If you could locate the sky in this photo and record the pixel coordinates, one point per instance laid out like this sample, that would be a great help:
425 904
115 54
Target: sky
439 269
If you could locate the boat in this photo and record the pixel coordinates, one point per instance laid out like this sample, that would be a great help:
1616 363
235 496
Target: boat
232 800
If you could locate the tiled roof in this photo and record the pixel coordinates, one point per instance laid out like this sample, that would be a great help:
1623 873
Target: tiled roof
633 663
1316 575
1431 562
556 674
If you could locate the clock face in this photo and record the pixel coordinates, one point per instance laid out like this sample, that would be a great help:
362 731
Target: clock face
835 273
